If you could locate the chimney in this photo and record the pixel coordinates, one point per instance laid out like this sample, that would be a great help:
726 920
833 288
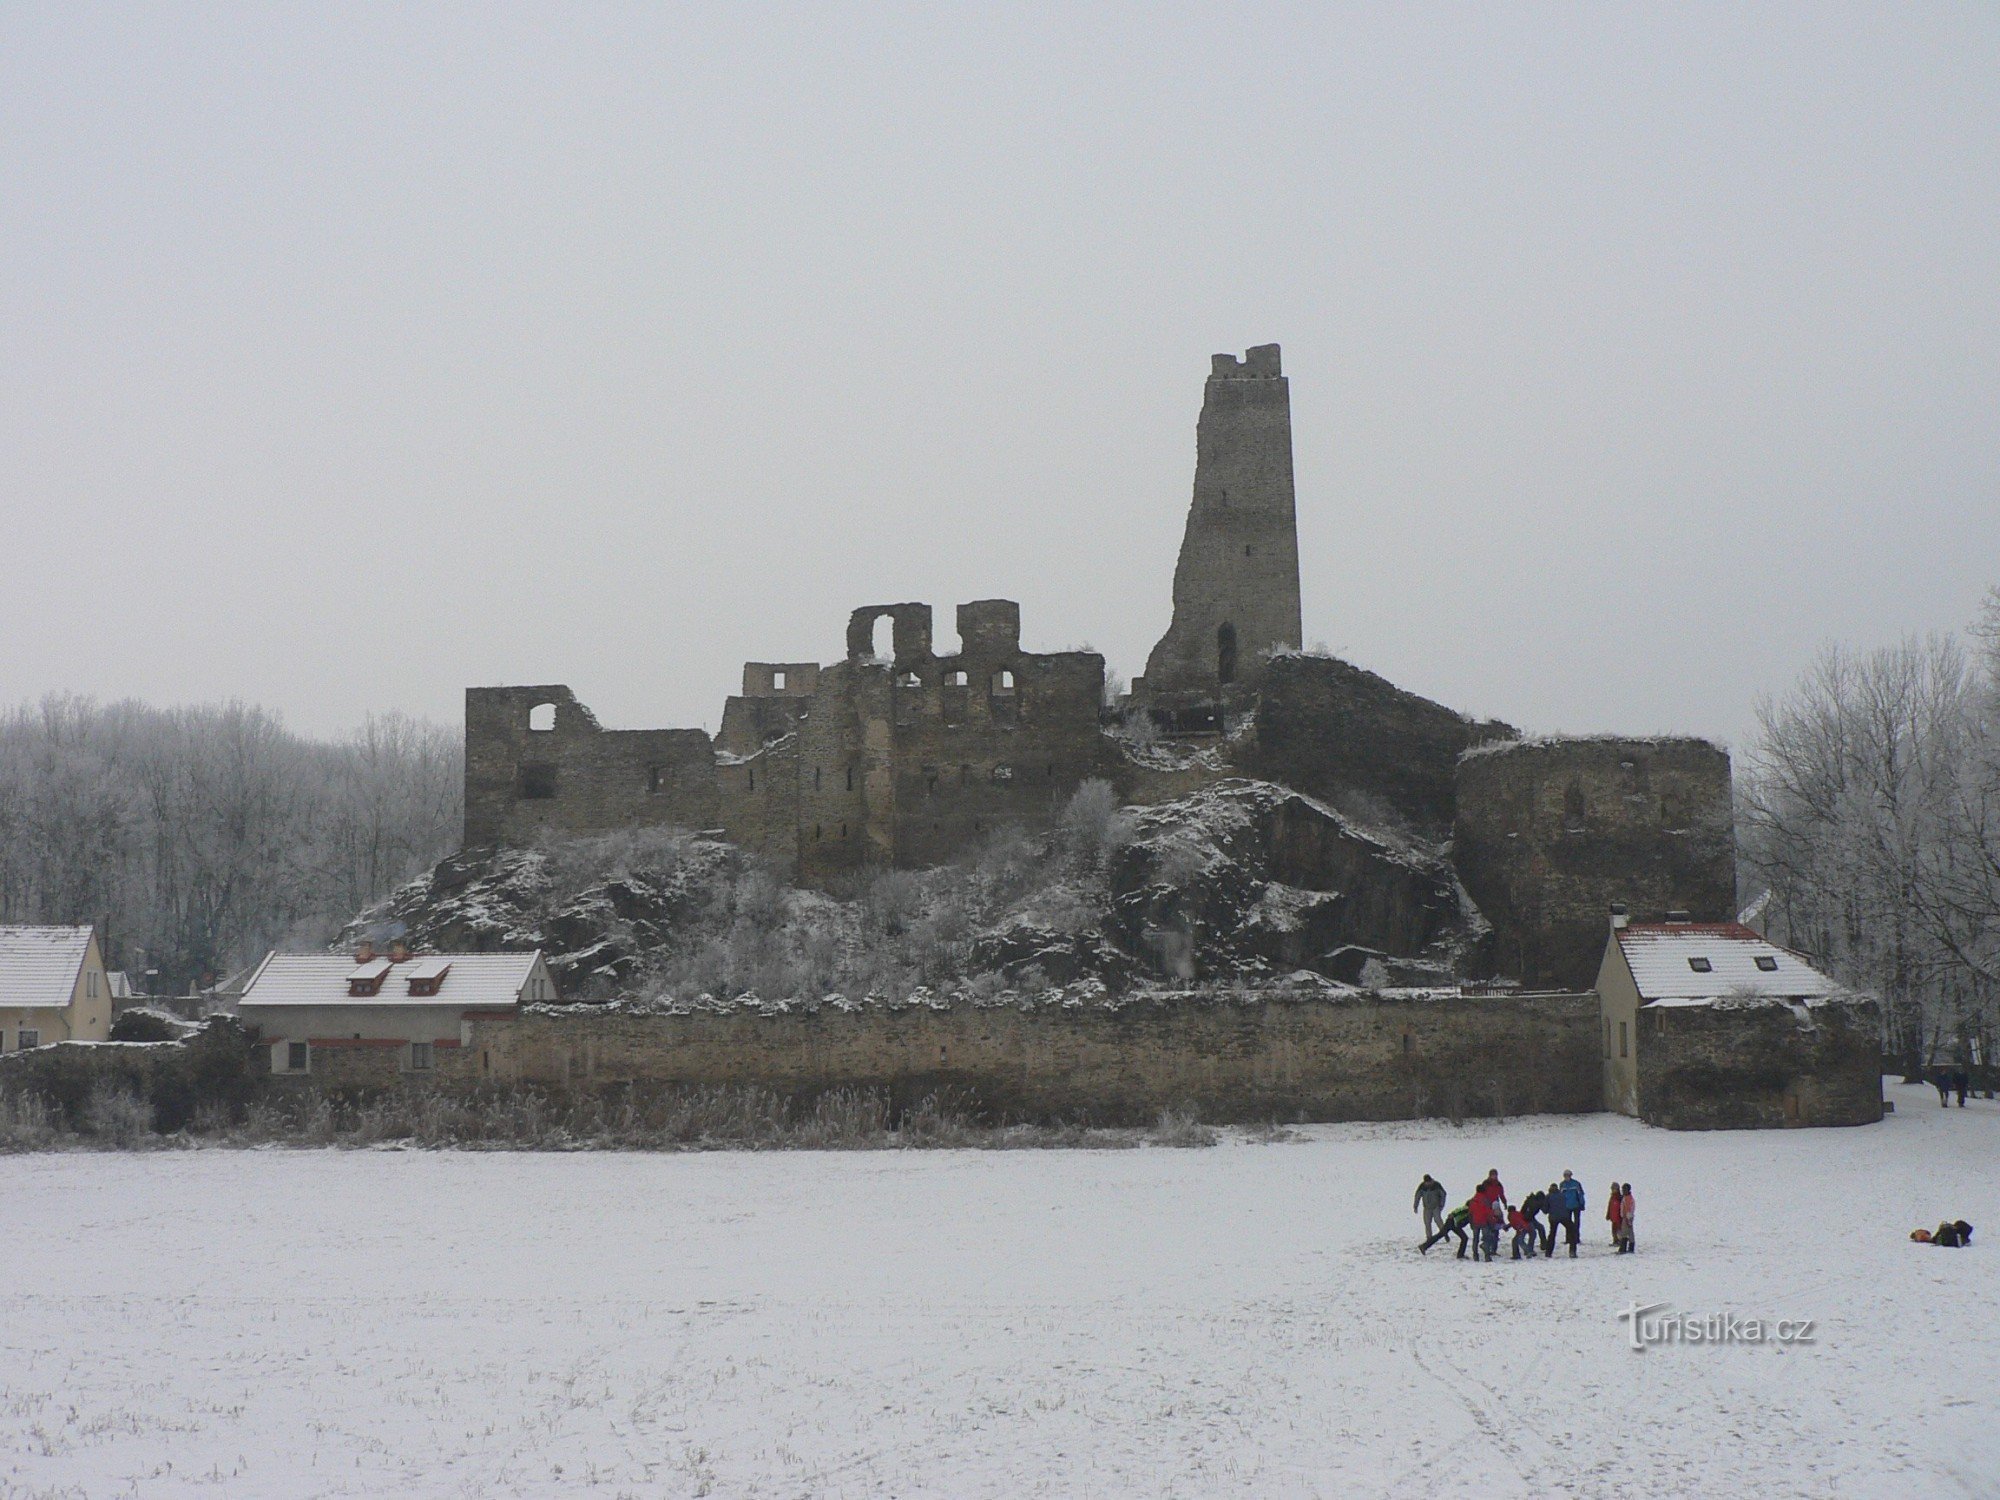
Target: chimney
1619 916
1679 916
399 951
365 951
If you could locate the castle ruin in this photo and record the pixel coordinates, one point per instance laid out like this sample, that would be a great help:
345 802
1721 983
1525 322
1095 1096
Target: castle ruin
909 758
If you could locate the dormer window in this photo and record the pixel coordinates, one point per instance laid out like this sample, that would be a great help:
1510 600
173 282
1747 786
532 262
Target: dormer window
1701 965
1767 963
366 979
426 976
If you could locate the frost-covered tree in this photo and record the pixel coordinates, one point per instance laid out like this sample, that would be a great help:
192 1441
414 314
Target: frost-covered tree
203 835
1871 811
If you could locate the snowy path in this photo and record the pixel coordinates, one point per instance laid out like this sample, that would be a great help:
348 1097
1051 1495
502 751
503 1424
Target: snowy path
1244 1321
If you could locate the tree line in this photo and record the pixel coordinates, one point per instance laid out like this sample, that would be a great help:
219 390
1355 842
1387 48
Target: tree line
203 836
1869 812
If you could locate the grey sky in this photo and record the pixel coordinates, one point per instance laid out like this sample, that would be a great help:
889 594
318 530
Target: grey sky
353 354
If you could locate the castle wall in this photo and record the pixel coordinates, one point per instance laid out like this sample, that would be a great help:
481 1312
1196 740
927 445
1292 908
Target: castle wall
1331 729
905 761
1759 1064
1549 834
1236 585
1232 1057
575 778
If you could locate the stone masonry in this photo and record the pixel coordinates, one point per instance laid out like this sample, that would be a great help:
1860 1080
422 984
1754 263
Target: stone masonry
1245 1057
1236 587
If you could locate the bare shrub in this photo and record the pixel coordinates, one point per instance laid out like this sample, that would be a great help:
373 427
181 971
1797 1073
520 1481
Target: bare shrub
117 1116
26 1122
1181 1126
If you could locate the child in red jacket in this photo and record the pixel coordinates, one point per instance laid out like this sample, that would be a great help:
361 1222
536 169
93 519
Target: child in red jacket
1525 1233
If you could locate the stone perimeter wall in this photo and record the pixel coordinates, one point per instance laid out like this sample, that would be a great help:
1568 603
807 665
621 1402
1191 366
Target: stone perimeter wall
1760 1066
1232 1057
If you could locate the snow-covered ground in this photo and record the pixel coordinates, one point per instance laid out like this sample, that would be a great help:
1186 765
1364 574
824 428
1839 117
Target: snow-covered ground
1250 1320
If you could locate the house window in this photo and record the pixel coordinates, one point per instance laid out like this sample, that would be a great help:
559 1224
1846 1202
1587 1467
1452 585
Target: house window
1607 1036
1767 963
421 1057
1701 965
90 984
30 1038
297 1058
1624 1043
778 682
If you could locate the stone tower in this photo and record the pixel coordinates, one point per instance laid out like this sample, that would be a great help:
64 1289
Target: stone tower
1236 587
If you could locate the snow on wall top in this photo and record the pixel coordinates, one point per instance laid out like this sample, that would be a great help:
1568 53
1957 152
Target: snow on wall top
1555 741
1667 961
39 965
475 981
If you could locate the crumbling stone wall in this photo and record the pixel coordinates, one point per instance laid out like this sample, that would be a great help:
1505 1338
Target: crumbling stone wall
1248 1056
1548 835
904 761
1337 732
1236 586
1760 1064
217 1066
524 783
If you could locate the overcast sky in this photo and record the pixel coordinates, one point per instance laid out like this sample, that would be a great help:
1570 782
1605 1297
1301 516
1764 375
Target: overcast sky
353 354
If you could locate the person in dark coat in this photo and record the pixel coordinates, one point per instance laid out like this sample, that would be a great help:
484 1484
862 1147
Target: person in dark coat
1953 1236
1455 1222
1941 1081
1430 1203
1960 1082
1568 1196
1534 1206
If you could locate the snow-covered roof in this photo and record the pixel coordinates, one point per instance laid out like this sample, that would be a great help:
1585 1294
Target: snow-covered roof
39 965
1708 960
472 981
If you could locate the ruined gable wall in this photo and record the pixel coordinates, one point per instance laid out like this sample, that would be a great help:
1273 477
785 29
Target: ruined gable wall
1232 1056
576 778
1549 834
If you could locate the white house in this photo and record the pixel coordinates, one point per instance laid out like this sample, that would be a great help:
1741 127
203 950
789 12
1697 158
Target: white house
368 1017
53 987
1711 1025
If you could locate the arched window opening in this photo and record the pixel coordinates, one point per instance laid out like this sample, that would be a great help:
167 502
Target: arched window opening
542 718
883 641
1225 653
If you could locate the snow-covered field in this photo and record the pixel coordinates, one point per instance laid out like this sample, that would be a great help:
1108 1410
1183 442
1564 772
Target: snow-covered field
1250 1320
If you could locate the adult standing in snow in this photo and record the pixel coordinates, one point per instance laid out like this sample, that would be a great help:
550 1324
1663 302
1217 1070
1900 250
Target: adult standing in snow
1941 1081
1485 1224
1567 1197
1627 1211
1430 1203
1539 1202
1960 1082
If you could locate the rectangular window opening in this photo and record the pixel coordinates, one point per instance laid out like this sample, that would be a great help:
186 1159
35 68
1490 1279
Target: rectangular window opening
1624 1042
1767 963
1701 966
421 1059
297 1059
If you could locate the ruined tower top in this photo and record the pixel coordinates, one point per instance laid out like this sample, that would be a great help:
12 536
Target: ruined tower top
1236 587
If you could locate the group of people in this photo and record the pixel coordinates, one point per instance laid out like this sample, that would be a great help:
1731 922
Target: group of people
1954 1234
1535 1221
1949 1081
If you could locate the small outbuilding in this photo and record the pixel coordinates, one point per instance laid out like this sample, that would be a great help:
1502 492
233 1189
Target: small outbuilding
1709 1025
374 1018
53 987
